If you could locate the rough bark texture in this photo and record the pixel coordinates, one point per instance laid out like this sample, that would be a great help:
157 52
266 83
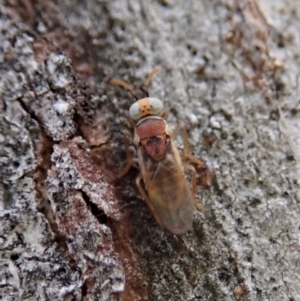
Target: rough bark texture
230 72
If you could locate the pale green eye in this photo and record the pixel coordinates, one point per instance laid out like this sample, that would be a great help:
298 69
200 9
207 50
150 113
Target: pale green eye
145 106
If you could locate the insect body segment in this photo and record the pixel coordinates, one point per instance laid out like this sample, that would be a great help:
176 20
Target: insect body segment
150 133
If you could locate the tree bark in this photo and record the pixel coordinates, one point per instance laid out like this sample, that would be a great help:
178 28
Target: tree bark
230 71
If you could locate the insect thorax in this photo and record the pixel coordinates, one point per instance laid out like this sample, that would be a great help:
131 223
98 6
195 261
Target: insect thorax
150 133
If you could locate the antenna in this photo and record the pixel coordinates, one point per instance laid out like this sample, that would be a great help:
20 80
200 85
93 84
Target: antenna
123 84
145 85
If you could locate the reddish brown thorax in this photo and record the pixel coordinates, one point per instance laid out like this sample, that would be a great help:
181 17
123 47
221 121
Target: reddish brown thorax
152 133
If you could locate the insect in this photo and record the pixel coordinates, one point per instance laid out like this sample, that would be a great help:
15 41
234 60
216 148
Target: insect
161 181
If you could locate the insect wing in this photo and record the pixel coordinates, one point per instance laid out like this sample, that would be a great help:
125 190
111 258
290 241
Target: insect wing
168 190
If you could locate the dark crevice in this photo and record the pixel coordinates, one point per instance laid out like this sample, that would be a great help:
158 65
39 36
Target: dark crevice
97 212
29 111
45 150
225 275
14 257
84 289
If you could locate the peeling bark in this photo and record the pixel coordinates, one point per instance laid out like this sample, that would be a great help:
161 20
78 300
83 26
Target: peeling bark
68 231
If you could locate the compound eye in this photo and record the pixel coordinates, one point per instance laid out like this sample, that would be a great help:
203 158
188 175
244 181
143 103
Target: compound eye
145 106
156 105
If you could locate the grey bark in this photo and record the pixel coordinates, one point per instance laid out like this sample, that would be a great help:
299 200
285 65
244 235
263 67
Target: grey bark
230 72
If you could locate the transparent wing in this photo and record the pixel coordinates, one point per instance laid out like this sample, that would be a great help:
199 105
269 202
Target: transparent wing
168 191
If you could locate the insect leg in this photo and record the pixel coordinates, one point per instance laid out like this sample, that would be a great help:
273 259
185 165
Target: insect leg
205 176
197 204
129 160
164 115
142 192
186 152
